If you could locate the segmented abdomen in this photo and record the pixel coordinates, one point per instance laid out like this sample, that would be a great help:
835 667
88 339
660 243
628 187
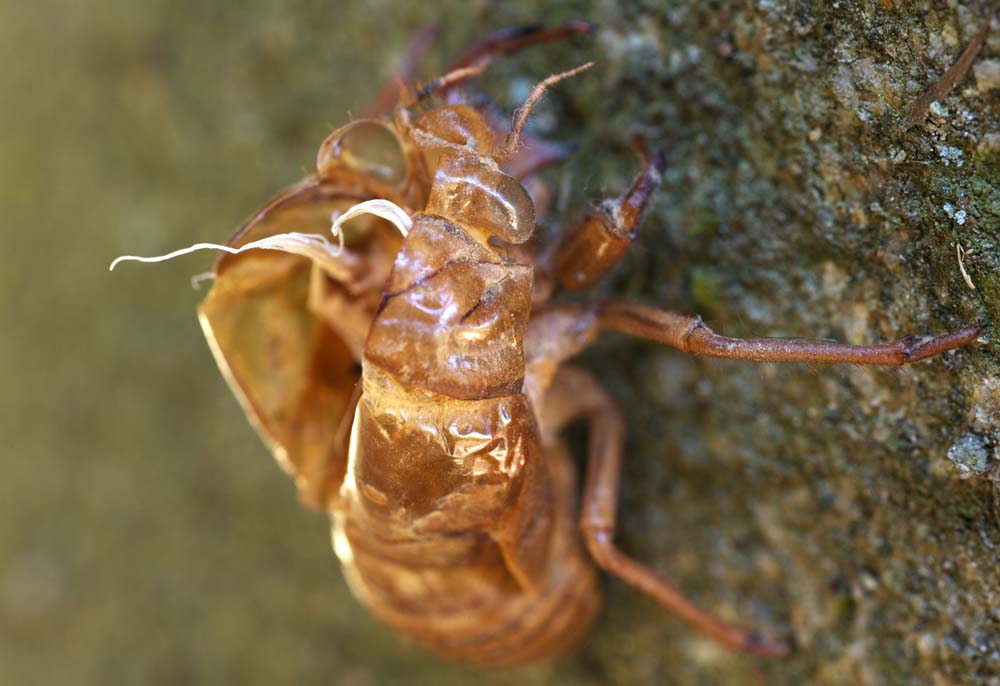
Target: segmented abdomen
454 525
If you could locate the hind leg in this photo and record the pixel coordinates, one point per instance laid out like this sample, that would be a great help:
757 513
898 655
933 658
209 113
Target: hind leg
575 393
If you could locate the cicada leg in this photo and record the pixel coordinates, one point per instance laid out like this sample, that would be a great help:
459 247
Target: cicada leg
508 41
468 65
585 252
691 335
574 394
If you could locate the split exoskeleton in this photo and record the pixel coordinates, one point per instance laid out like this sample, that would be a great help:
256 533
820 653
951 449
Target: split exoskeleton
416 387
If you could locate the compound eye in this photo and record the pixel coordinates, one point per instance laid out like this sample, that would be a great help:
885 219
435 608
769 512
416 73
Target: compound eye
368 148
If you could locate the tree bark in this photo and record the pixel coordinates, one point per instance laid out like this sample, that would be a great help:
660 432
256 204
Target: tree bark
854 508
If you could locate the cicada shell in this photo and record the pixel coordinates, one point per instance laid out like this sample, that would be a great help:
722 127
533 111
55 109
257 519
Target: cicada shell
415 386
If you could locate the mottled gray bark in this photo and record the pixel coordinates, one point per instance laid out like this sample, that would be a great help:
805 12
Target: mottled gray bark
855 507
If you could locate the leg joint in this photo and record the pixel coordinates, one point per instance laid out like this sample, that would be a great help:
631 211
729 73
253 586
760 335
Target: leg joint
600 544
695 326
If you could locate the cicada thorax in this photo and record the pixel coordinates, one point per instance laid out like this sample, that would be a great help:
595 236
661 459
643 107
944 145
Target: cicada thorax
448 334
454 310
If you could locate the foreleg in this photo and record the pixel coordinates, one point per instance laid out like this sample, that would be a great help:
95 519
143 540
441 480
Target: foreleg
586 252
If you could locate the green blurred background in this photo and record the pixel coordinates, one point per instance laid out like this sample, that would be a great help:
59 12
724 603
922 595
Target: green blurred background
146 536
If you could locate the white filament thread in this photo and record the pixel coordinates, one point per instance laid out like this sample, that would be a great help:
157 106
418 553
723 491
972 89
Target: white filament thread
309 245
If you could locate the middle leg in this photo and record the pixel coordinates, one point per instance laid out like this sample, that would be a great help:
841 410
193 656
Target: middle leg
691 335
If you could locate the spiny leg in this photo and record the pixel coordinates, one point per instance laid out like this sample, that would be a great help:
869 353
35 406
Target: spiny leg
477 58
587 251
508 41
447 80
691 335
575 393
469 64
